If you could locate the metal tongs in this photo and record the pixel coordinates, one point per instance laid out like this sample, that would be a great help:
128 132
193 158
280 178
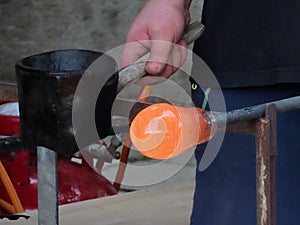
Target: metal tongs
137 69
127 75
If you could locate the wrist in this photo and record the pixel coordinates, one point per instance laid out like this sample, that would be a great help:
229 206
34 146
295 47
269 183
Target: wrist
184 4
181 5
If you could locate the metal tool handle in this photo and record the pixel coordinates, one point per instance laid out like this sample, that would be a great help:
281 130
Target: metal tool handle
137 69
253 112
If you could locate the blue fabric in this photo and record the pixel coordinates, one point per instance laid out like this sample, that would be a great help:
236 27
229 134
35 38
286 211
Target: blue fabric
225 192
251 43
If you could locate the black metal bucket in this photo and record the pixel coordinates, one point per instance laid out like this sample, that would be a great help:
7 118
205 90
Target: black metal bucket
46 85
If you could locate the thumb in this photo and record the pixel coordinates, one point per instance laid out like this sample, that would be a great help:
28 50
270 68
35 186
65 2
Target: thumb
159 54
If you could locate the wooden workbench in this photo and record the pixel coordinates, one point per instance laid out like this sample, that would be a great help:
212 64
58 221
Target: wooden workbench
162 204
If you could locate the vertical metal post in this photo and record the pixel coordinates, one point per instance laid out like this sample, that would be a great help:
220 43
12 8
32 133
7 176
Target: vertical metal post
263 173
271 115
264 130
47 187
266 148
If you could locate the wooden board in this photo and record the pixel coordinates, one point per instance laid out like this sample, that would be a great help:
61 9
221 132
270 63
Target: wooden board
8 92
162 205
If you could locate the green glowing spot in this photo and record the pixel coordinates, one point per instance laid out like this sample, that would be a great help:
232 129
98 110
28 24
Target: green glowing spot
194 86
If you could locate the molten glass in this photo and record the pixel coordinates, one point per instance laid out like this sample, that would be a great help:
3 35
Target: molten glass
163 131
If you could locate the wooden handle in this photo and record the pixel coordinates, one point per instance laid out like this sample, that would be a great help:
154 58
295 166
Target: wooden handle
137 69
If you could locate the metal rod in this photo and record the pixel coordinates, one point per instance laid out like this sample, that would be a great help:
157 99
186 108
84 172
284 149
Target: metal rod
47 187
142 97
257 111
137 69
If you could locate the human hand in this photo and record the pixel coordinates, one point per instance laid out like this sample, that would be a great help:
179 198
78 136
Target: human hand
163 20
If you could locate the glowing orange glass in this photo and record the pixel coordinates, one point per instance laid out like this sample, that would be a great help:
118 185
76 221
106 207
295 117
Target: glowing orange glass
163 131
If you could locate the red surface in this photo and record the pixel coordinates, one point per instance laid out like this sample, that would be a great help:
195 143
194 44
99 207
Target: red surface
76 182
9 125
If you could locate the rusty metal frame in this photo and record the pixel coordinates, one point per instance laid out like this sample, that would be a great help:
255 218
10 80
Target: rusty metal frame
265 132
262 126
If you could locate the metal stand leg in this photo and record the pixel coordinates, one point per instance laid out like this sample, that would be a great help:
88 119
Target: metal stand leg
47 187
266 148
264 130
